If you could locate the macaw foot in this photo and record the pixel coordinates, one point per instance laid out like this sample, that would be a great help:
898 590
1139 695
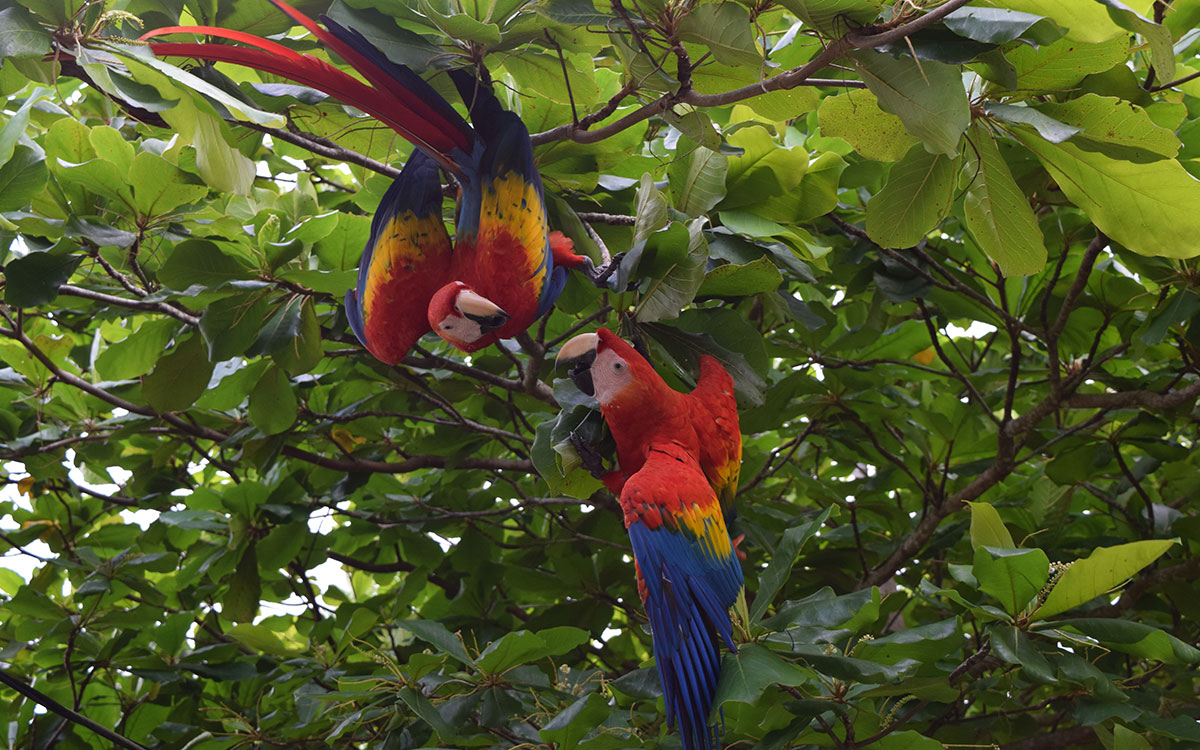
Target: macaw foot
600 276
737 540
588 456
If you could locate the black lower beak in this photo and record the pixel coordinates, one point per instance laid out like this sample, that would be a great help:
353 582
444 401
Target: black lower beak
581 373
489 323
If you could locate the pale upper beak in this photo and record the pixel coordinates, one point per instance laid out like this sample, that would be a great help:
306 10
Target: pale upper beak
579 346
581 353
480 309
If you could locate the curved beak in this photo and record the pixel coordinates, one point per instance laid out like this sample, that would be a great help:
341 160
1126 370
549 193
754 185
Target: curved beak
580 352
482 310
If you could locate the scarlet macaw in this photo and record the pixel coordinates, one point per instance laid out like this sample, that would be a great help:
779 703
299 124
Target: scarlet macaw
687 570
705 420
501 274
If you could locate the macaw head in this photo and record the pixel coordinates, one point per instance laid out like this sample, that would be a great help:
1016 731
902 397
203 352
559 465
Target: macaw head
464 318
604 366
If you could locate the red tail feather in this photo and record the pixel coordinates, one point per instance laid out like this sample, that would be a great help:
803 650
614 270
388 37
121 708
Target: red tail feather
386 99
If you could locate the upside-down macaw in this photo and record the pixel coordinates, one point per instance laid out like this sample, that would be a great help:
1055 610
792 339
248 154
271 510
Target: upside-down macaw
687 570
706 418
500 273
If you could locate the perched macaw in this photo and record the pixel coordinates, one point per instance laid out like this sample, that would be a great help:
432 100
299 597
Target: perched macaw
688 573
500 274
705 420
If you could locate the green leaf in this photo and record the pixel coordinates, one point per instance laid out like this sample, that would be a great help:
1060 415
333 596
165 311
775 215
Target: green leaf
240 603
1062 65
576 721
160 187
831 16
303 352
229 325
523 647
670 293
1145 207
1100 572
1114 127
1084 20
1014 647
460 26
927 96
200 262
272 402
1011 576
732 280
1047 127
916 198
21 178
20 34
998 214
138 352
782 559
697 179
34 279
1142 641
725 29
1162 53
341 248
15 127
987 529
746 674
999 25
180 377
259 638
436 634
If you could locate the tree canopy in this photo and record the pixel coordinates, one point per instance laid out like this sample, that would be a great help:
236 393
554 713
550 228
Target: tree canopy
947 251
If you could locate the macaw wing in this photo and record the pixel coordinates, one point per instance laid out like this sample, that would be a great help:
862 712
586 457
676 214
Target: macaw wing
715 418
406 260
689 579
503 212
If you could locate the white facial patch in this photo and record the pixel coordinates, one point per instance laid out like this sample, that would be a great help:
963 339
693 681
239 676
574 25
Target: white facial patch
610 374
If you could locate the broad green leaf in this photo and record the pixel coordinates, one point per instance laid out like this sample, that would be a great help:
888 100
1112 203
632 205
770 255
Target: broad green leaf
1062 65
138 352
1117 128
669 294
1011 576
435 633
763 169
923 643
1142 206
21 178
833 17
733 280
303 352
259 638
1103 570
221 165
12 130
998 214
34 279
272 402
200 262
20 34
180 377
987 529
544 74
998 25
725 29
782 559
523 647
917 196
1016 648
1142 641
160 187
231 324
746 674
244 591
461 26
1157 36
281 329
1085 20
927 96
697 179
576 721
341 248
1047 127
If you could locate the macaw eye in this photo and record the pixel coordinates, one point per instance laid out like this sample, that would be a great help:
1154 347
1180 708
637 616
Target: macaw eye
618 366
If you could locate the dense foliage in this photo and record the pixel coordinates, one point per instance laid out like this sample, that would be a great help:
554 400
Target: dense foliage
947 252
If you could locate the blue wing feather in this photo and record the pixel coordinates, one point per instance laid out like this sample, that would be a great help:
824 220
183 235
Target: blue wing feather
689 588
